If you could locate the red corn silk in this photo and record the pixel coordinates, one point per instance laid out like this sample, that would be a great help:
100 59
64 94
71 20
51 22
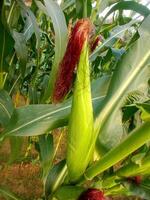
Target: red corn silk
92 194
96 42
81 32
138 180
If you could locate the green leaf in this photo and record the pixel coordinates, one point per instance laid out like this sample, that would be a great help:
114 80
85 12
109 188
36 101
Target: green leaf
16 147
38 119
134 169
67 4
34 95
116 32
117 190
83 8
10 14
110 181
27 13
55 178
7 194
21 50
46 150
68 192
6 108
60 28
80 129
145 108
106 3
129 5
6 47
133 141
139 191
131 73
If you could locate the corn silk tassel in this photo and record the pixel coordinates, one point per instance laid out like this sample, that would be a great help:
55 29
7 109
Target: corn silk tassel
80 131
82 30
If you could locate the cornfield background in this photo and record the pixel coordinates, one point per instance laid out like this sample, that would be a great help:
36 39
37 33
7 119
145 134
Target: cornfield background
35 133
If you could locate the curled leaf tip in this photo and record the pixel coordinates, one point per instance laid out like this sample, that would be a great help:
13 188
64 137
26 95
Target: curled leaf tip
82 31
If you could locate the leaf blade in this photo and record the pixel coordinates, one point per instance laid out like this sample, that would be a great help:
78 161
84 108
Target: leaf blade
129 74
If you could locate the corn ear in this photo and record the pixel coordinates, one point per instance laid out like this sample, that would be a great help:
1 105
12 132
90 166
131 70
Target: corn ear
80 133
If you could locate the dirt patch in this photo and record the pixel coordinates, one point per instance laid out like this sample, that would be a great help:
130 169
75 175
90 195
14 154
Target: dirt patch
24 180
23 177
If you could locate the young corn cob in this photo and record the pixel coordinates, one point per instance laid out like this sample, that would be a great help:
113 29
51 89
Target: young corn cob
80 133
80 136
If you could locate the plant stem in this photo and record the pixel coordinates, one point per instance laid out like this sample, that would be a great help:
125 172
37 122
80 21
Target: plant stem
95 11
85 9
1 62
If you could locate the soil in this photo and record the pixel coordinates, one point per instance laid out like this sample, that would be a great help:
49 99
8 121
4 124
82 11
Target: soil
23 177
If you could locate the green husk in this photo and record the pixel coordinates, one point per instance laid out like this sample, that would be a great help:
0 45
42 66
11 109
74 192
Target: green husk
80 136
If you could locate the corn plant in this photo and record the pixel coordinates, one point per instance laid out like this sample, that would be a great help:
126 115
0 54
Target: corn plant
76 67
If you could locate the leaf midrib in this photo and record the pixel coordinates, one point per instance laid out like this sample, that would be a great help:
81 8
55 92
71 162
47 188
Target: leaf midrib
6 111
46 115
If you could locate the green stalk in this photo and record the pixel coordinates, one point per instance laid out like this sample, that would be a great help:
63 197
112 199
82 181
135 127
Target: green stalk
136 139
1 61
95 11
85 9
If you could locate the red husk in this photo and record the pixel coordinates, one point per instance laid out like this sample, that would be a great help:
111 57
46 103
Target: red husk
80 33
92 194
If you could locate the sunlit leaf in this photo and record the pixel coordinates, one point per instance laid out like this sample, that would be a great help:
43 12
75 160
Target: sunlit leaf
138 137
132 73
52 9
129 5
145 108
